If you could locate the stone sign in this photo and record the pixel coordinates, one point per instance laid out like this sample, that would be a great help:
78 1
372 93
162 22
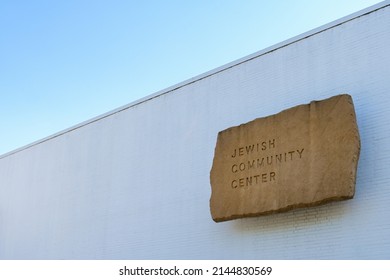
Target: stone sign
304 156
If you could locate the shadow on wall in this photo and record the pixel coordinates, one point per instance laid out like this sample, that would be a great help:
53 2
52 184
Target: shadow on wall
334 213
304 219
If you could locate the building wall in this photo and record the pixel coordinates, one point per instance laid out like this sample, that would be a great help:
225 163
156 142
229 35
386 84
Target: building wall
134 183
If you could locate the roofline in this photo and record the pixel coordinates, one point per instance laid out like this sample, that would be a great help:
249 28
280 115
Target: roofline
207 74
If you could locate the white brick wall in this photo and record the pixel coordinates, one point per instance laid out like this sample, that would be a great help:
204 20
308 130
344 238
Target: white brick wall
134 183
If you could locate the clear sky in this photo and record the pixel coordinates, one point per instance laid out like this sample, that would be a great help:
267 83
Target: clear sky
64 62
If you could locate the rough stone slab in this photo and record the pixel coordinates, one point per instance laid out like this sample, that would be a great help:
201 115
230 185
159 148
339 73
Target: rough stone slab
304 156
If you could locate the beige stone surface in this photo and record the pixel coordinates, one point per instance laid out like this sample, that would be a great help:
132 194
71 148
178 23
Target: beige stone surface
304 156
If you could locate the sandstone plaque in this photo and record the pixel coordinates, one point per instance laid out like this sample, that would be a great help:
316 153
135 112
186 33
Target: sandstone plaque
304 156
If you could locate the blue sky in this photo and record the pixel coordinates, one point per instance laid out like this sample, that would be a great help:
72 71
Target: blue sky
63 62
